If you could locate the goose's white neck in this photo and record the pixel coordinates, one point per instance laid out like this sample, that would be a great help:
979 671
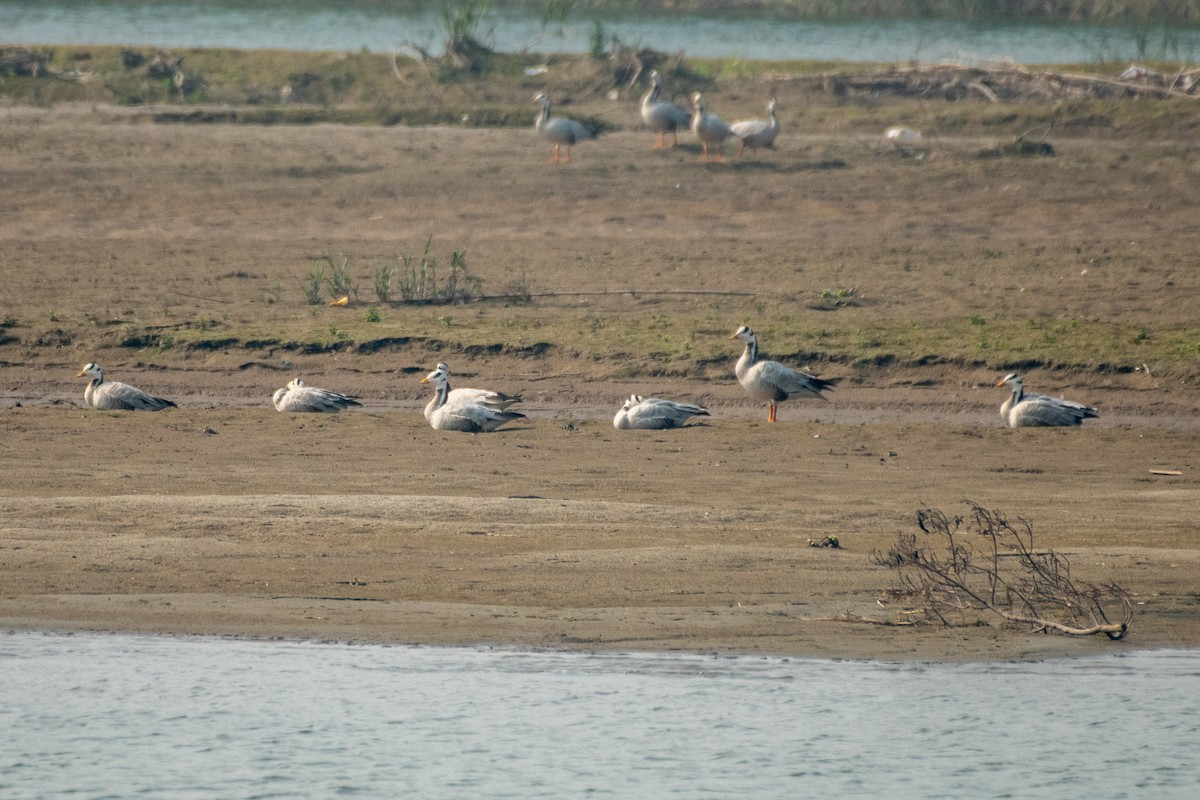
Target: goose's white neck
441 392
90 390
749 356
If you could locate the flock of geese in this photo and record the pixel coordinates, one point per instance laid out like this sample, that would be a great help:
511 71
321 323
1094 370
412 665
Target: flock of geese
484 410
664 117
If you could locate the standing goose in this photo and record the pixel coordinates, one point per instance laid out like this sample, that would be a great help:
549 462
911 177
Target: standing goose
654 413
771 381
1037 410
711 130
117 396
299 397
485 396
560 130
462 414
756 133
662 117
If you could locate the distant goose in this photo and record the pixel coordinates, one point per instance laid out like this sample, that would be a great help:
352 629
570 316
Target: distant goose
901 137
756 133
462 414
771 381
486 396
711 130
1037 410
117 396
299 397
560 130
654 413
663 117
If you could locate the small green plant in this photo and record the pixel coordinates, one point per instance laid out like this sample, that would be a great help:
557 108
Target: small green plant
372 314
385 274
597 41
419 281
313 283
556 10
460 24
517 287
339 280
53 316
461 285
275 294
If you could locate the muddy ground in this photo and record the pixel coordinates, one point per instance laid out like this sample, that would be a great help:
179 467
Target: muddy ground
225 517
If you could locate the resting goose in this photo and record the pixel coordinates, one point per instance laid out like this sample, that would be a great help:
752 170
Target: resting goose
1037 410
486 396
711 130
662 117
462 414
560 130
117 396
654 413
300 397
756 133
771 381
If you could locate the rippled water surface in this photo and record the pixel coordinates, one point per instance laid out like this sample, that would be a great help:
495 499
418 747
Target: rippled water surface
310 25
124 716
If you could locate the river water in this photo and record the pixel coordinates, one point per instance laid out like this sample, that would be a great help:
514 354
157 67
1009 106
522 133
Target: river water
350 26
121 716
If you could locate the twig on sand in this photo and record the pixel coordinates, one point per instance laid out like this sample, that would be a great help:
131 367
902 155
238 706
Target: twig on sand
635 292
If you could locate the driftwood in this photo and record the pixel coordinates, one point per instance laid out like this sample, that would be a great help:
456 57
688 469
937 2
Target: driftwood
1008 84
986 565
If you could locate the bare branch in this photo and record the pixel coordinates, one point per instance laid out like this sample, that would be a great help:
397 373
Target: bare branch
1004 574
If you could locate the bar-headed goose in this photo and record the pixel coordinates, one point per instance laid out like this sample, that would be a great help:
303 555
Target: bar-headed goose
661 116
1023 410
654 413
486 396
771 381
117 396
298 396
462 414
756 133
711 130
560 130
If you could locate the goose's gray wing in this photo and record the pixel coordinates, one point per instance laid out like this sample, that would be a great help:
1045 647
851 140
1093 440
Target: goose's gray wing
310 399
666 117
710 127
566 131
778 381
655 413
485 396
117 396
1042 411
749 127
472 417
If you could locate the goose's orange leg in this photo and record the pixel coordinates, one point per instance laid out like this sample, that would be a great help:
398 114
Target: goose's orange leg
771 412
